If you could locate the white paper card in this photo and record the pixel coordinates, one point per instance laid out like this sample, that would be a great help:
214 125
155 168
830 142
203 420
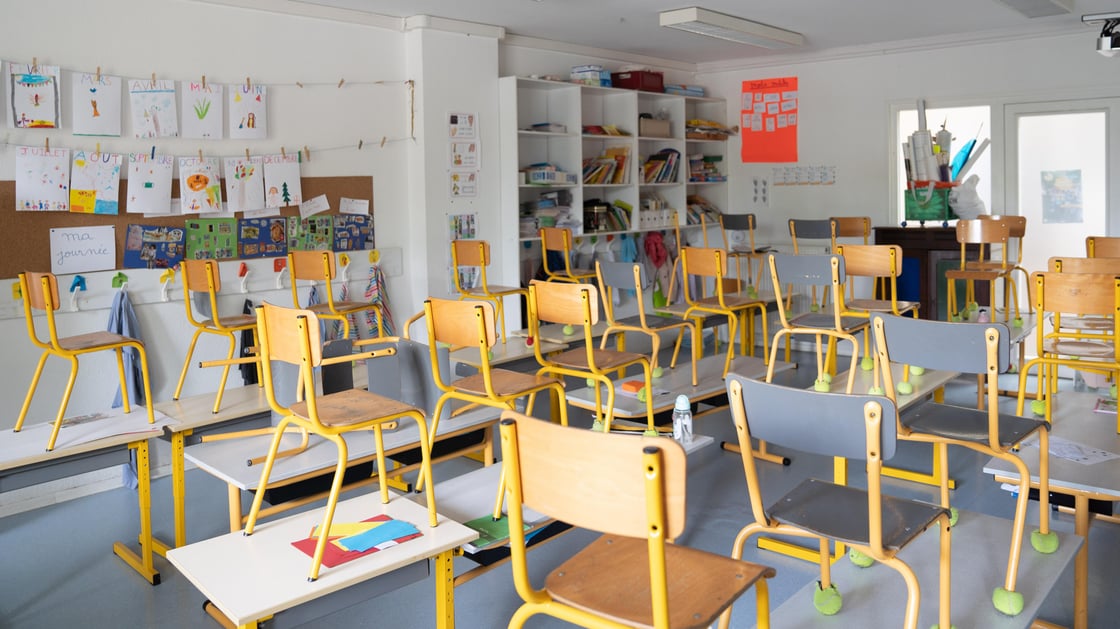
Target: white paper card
81 249
314 205
354 206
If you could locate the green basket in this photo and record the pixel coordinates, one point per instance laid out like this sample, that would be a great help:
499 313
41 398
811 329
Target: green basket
928 204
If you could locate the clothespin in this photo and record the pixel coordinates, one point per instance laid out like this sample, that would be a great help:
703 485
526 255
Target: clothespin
153 79
340 82
344 261
99 74
203 81
248 84
360 143
165 280
278 266
97 151
200 155
247 154
34 65
120 280
299 85
76 285
243 273
383 141
306 153
153 151
47 144
282 153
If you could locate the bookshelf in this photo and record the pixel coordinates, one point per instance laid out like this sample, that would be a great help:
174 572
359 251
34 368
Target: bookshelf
578 130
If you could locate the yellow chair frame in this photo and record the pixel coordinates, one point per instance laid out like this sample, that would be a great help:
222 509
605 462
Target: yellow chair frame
559 239
292 336
320 266
985 233
40 292
476 253
1102 246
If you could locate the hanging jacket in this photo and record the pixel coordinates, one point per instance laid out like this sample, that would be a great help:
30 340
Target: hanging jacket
248 370
122 320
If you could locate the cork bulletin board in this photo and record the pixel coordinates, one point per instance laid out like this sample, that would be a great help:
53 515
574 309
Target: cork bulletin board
26 235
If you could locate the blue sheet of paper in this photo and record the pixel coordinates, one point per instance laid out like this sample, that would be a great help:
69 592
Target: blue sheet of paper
386 532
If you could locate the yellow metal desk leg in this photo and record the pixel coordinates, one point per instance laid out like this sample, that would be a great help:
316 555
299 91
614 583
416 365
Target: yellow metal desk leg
141 563
1081 520
235 517
445 590
179 485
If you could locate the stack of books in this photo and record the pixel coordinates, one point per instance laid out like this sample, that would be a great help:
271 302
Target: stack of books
698 129
608 168
661 167
705 168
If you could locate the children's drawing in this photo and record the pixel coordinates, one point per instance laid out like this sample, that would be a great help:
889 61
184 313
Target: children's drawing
262 237
153 108
211 238
153 246
96 101
202 110
42 179
34 100
95 181
310 234
244 183
248 112
200 187
149 183
352 232
281 180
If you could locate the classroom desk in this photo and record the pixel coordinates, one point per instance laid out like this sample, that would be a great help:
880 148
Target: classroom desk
1075 420
554 333
876 596
226 459
503 353
24 461
262 577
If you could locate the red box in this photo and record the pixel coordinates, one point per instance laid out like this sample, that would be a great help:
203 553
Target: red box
639 80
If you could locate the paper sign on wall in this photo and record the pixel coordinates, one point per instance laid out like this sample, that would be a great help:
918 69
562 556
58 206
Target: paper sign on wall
768 120
82 249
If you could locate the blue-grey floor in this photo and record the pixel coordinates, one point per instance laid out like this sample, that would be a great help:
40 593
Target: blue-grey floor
59 570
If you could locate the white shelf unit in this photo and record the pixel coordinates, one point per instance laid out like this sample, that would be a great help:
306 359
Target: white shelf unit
715 192
524 102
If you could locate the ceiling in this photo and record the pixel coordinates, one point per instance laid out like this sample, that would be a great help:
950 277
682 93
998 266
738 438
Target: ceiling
632 26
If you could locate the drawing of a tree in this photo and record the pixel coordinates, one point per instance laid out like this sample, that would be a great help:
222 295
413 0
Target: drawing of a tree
285 194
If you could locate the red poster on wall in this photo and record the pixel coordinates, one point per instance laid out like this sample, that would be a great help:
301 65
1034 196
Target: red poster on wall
768 120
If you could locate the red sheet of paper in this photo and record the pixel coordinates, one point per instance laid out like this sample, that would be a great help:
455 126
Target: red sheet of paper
335 556
768 119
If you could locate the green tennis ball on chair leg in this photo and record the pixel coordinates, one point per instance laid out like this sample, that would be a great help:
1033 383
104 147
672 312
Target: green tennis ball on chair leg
867 363
1046 544
568 330
916 370
1008 603
822 385
863 560
827 602
658 372
905 388
1038 407
876 391
642 395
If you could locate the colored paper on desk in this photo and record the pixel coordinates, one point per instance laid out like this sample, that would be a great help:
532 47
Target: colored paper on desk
380 537
333 555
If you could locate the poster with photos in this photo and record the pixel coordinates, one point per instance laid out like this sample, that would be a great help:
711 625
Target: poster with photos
248 112
310 234
244 183
154 114
352 232
96 104
153 246
203 105
262 237
200 186
211 238
95 182
33 101
462 125
42 179
281 180
149 183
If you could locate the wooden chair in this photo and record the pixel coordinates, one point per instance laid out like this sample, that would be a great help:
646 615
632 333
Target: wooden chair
883 265
202 279
746 251
850 227
1016 232
632 490
1102 246
618 277
577 305
476 254
558 242
860 427
292 336
40 292
319 267
977 349
986 234
709 264
807 273
1084 331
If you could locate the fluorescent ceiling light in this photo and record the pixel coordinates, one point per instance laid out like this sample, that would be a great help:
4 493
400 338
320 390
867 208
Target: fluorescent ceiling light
723 26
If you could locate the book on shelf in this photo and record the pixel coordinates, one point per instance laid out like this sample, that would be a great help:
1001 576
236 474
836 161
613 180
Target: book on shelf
549 127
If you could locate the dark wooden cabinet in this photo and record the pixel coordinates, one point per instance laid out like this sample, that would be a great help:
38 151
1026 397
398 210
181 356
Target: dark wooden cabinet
927 252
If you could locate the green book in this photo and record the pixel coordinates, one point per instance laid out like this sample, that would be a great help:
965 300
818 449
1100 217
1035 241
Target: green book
489 531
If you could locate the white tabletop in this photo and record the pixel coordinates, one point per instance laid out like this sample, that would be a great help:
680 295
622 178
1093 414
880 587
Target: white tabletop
554 333
504 352
227 458
925 384
250 578
114 429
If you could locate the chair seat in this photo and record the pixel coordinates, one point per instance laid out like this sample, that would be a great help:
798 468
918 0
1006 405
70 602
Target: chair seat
840 512
1091 322
504 382
652 323
1083 348
826 321
605 359
734 301
233 321
93 340
352 406
344 307
610 577
495 291
967 424
880 305
969 274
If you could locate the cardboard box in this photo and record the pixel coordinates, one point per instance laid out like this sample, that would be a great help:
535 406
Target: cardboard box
651 128
639 80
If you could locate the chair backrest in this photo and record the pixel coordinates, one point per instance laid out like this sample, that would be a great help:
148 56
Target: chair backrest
850 227
737 222
1062 264
564 303
460 323
201 276
813 229
797 273
470 252
983 232
704 261
556 239
618 276
292 336
1076 293
40 292
871 260
1102 246
311 265
592 480
960 347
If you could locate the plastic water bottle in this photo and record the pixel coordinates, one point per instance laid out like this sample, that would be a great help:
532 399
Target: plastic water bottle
682 420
